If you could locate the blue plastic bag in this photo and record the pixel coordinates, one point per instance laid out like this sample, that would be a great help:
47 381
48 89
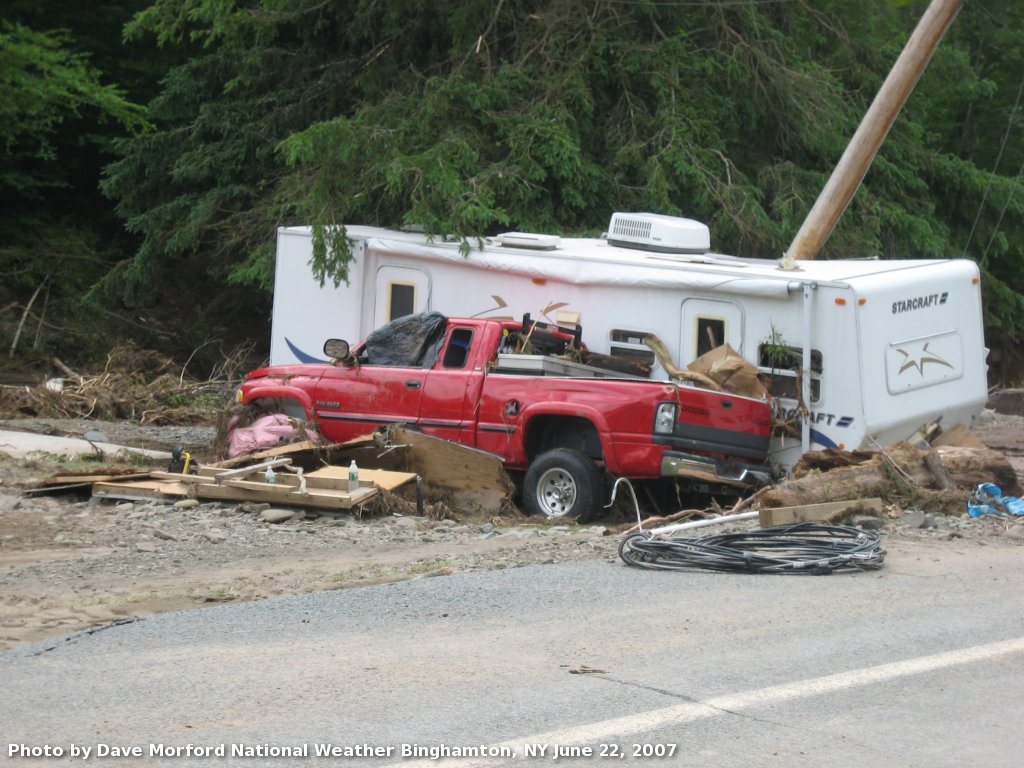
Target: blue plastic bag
988 499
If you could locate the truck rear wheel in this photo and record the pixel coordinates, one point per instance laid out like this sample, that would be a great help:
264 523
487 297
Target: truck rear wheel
563 483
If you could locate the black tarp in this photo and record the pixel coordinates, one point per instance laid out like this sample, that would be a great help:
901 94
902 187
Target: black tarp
407 342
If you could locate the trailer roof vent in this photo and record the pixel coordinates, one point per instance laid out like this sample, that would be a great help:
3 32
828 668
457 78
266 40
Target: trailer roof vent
654 232
529 240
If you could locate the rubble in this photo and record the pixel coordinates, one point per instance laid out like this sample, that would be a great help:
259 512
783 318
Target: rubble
67 563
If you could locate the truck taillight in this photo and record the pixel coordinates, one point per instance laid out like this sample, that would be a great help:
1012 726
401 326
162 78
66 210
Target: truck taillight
665 419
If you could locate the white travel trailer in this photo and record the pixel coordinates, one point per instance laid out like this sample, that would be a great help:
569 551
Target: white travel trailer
891 345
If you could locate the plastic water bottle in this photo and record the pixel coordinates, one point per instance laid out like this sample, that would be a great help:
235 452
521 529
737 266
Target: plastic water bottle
353 476
268 476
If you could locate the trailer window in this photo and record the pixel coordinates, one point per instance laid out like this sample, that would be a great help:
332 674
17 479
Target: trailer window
630 345
780 367
710 334
401 300
458 348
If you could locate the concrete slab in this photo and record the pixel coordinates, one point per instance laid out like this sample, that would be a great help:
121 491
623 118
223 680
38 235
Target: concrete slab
21 444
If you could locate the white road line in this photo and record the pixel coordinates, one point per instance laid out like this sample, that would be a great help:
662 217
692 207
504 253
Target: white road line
608 731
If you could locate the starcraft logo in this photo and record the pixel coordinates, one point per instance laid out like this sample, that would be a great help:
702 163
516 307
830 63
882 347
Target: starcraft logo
924 357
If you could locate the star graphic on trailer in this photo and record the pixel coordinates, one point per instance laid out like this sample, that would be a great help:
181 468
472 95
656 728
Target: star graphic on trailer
927 356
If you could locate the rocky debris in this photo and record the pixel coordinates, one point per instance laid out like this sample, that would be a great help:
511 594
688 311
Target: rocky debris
153 536
67 563
70 565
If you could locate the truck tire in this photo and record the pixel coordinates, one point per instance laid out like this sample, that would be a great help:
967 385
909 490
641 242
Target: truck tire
565 484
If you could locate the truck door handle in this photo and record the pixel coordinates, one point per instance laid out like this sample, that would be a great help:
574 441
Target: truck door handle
413 384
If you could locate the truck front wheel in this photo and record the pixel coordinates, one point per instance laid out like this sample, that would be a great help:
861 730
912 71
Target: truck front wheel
563 483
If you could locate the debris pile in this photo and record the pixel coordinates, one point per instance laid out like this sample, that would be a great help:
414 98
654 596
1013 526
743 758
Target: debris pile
134 384
377 474
927 478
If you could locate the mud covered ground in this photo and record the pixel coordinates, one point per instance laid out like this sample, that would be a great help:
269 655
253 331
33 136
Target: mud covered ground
70 563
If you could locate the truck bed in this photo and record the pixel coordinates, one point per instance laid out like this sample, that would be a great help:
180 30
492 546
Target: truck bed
546 365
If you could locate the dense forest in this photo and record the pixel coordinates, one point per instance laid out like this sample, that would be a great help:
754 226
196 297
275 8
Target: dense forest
152 147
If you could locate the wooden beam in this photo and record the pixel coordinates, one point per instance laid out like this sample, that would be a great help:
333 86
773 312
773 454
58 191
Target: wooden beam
242 490
804 513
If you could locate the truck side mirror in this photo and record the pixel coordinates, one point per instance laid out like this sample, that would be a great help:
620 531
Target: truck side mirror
336 349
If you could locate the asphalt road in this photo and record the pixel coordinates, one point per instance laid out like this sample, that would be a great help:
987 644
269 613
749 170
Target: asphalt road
919 664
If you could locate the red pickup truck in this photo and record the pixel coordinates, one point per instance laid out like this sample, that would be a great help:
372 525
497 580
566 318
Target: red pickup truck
467 380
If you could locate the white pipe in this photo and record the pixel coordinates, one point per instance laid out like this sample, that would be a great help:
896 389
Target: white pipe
805 365
703 523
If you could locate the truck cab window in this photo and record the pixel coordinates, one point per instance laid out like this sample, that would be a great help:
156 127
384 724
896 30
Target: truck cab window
458 348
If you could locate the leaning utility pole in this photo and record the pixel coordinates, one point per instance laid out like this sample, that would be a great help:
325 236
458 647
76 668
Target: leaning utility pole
863 147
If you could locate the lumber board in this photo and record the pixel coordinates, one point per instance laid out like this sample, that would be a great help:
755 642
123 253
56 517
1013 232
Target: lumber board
97 478
147 489
329 478
326 488
291 488
240 490
263 466
469 476
385 479
958 435
292 448
804 513
451 462
266 453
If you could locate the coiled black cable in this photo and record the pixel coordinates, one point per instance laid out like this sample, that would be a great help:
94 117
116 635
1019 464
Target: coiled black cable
814 548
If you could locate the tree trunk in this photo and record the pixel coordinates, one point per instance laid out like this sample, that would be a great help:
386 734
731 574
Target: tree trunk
899 470
24 317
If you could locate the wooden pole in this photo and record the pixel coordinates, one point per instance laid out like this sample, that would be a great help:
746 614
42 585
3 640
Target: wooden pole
863 147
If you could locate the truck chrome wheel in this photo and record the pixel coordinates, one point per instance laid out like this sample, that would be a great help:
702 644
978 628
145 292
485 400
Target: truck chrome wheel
563 483
556 493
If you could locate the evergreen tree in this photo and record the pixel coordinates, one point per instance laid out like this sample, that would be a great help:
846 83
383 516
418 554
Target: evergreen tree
468 117
56 113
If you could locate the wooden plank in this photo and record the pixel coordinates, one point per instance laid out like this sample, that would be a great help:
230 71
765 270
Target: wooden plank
959 435
97 478
178 477
281 492
292 448
469 476
267 453
150 489
229 474
68 483
827 511
328 478
240 490
385 479
326 488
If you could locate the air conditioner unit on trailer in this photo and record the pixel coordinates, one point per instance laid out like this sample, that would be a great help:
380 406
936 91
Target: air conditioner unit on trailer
655 232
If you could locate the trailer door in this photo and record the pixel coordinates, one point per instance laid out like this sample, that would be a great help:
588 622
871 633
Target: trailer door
706 324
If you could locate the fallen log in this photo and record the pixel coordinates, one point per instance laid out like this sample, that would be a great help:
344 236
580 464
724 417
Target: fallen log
899 472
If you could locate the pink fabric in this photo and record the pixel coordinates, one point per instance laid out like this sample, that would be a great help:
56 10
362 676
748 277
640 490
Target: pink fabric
265 432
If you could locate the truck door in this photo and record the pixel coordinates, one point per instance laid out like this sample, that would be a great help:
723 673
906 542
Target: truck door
706 324
356 401
383 382
452 388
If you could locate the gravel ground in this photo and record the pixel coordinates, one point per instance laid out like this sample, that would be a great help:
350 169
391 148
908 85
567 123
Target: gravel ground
67 564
